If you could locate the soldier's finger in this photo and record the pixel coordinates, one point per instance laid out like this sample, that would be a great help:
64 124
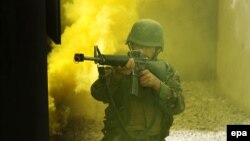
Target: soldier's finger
129 63
144 72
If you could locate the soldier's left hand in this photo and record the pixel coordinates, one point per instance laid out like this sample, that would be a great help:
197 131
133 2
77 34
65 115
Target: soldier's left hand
147 79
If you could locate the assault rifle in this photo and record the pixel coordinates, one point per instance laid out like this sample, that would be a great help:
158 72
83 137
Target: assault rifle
118 60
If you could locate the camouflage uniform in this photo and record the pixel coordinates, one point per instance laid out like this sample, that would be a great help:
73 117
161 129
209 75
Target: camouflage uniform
150 110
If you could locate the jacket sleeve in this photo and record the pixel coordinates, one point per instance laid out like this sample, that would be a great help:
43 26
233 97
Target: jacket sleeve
104 85
170 94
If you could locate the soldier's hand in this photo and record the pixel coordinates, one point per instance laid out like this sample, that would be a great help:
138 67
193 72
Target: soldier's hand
127 69
147 79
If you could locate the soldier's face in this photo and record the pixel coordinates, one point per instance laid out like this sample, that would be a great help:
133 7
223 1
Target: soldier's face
147 51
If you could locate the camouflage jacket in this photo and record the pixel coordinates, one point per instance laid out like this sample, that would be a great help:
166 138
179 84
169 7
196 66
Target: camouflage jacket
167 102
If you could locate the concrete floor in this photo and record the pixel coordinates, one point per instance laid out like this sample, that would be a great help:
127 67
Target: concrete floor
204 119
206 116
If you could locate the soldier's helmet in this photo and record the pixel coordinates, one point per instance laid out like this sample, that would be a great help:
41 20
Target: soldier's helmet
147 33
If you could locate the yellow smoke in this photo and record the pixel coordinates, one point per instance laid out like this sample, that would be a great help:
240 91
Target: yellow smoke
105 23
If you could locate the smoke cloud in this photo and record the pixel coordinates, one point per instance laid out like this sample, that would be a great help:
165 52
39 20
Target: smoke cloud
190 29
86 23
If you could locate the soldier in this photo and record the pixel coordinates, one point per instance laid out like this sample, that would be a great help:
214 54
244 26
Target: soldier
148 116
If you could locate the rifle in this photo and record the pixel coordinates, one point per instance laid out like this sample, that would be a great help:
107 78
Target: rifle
118 60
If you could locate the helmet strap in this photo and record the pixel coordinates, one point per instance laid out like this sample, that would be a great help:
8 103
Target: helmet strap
157 51
129 45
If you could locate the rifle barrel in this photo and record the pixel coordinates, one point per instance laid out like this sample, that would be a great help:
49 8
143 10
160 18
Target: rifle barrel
91 58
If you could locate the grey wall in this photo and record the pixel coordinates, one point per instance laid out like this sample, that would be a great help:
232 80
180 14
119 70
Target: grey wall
190 34
208 39
233 62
